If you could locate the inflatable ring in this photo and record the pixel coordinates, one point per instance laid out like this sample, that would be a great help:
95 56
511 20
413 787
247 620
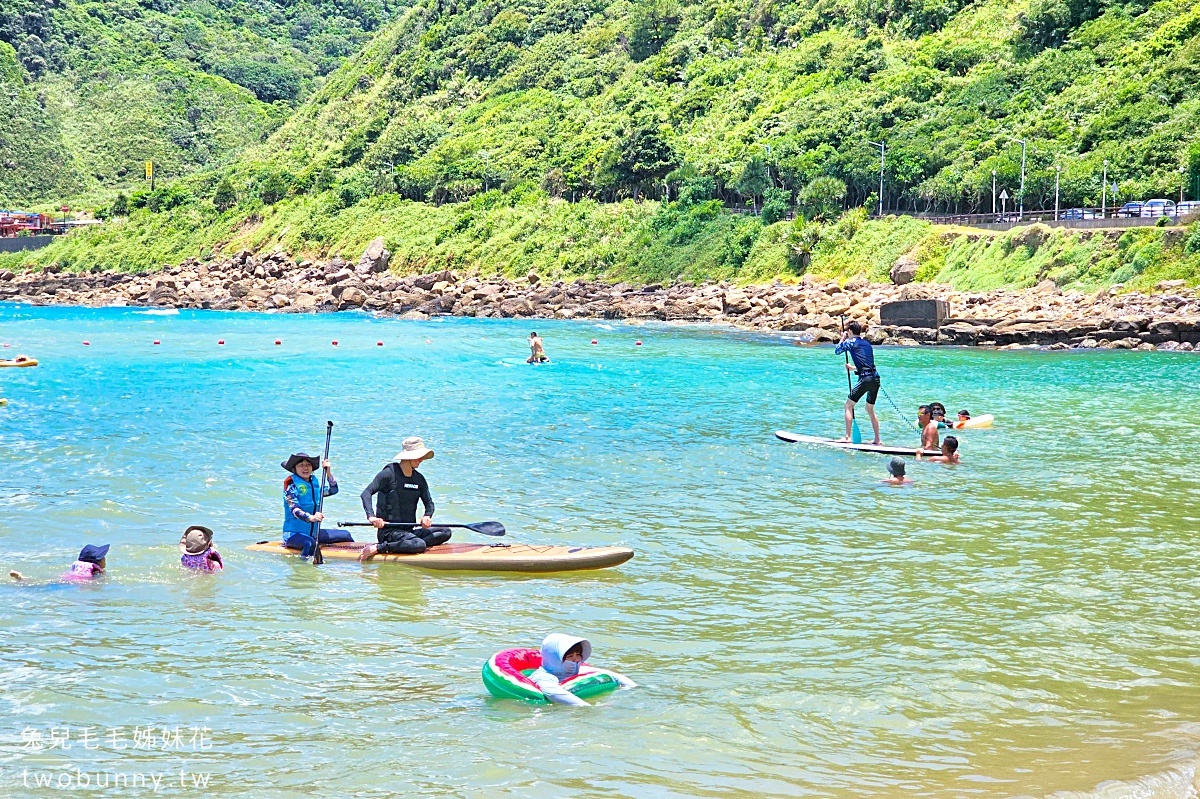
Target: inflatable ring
506 675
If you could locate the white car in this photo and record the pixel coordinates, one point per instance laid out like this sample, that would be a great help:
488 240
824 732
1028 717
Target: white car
1156 208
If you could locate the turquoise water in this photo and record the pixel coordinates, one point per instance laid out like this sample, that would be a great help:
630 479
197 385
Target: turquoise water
1019 625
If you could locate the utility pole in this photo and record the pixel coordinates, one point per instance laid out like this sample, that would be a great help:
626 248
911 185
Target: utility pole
1057 177
993 192
1182 181
1021 215
882 154
487 168
1104 192
767 147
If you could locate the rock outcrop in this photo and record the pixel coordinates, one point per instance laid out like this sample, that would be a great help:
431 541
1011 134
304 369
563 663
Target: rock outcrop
1167 319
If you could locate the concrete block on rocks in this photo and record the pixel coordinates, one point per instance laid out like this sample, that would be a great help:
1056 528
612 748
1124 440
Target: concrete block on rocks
914 313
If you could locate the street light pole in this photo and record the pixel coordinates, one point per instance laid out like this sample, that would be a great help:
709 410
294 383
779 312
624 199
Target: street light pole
882 153
1182 181
1104 192
1057 177
993 192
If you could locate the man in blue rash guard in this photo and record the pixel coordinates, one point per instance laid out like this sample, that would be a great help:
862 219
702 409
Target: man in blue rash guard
863 364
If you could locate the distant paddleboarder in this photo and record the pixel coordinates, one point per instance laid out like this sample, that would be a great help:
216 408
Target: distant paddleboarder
863 364
537 351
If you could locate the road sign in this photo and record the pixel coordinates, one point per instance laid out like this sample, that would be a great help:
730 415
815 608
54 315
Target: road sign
1004 194
149 169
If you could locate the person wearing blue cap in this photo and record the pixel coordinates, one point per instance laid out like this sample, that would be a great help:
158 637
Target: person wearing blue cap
89 565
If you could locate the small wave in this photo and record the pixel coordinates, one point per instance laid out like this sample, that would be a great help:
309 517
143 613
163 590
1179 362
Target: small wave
159 312
1178 782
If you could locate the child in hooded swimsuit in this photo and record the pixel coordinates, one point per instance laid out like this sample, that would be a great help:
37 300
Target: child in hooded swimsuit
564 656
198 550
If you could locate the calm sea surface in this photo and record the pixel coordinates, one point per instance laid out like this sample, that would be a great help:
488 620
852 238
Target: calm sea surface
1023 625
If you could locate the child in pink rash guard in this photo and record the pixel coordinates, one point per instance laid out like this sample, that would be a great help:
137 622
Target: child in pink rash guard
89 565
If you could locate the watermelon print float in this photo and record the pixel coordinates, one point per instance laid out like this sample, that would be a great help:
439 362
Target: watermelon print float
510 674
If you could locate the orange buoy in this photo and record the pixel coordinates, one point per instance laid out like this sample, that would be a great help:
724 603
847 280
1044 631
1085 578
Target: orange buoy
156 341
378 343
277 342
7 345
594 341
637 343
335 342
87 343
221 341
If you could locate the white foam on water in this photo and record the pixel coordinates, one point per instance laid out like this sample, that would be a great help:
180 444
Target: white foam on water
159 312
1178 782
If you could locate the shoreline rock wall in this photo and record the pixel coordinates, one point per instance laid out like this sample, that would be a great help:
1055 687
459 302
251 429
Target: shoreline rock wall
273 282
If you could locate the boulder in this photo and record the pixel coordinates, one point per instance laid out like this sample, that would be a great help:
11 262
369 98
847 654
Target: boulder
375 258
904 270
353 296
736 302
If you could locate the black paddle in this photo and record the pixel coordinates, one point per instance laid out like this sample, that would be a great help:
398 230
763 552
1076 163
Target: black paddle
486 528
318 558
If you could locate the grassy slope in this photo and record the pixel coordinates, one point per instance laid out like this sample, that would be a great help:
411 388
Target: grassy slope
119 83
415 111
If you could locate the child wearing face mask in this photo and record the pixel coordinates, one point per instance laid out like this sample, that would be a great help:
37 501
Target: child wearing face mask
565 656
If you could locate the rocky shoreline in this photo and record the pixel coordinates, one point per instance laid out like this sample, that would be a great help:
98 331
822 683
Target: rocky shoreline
1044 316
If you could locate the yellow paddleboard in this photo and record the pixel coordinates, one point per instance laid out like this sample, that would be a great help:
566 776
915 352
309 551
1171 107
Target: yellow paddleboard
478 557
20 360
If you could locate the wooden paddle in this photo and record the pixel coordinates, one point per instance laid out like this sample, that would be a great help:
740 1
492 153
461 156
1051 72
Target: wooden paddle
486 528
318 558
855 433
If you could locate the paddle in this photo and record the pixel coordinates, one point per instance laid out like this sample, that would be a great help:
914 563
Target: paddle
486 528
855 433
318 558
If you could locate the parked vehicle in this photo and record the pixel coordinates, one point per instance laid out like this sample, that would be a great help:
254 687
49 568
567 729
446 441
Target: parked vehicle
1130 210
1188 207
1071 214
1157 208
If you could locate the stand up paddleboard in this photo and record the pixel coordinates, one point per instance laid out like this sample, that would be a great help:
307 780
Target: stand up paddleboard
478 557
879 449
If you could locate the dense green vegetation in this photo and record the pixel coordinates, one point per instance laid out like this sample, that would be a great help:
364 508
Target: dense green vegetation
612 137
91 89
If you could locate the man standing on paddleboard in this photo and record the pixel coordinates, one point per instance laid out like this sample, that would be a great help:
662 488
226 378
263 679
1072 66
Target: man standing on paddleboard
863 364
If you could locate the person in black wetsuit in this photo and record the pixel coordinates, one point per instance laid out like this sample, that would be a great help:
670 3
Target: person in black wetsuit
863 364
397 488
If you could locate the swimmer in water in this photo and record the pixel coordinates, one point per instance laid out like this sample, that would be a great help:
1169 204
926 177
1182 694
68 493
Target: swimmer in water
88 566
896 468
537 352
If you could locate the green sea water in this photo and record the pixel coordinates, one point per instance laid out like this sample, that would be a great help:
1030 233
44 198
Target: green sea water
1024 624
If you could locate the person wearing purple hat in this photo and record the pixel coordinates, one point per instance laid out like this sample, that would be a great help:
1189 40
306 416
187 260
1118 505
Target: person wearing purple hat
89 565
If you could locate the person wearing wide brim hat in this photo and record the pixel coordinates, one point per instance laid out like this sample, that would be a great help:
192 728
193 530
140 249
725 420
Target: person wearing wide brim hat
198 550
896 468
396 490
302 514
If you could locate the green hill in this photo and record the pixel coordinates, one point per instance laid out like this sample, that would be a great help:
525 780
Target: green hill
91 89
610 138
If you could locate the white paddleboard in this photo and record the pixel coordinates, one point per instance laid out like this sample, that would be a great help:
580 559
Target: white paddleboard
879 449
